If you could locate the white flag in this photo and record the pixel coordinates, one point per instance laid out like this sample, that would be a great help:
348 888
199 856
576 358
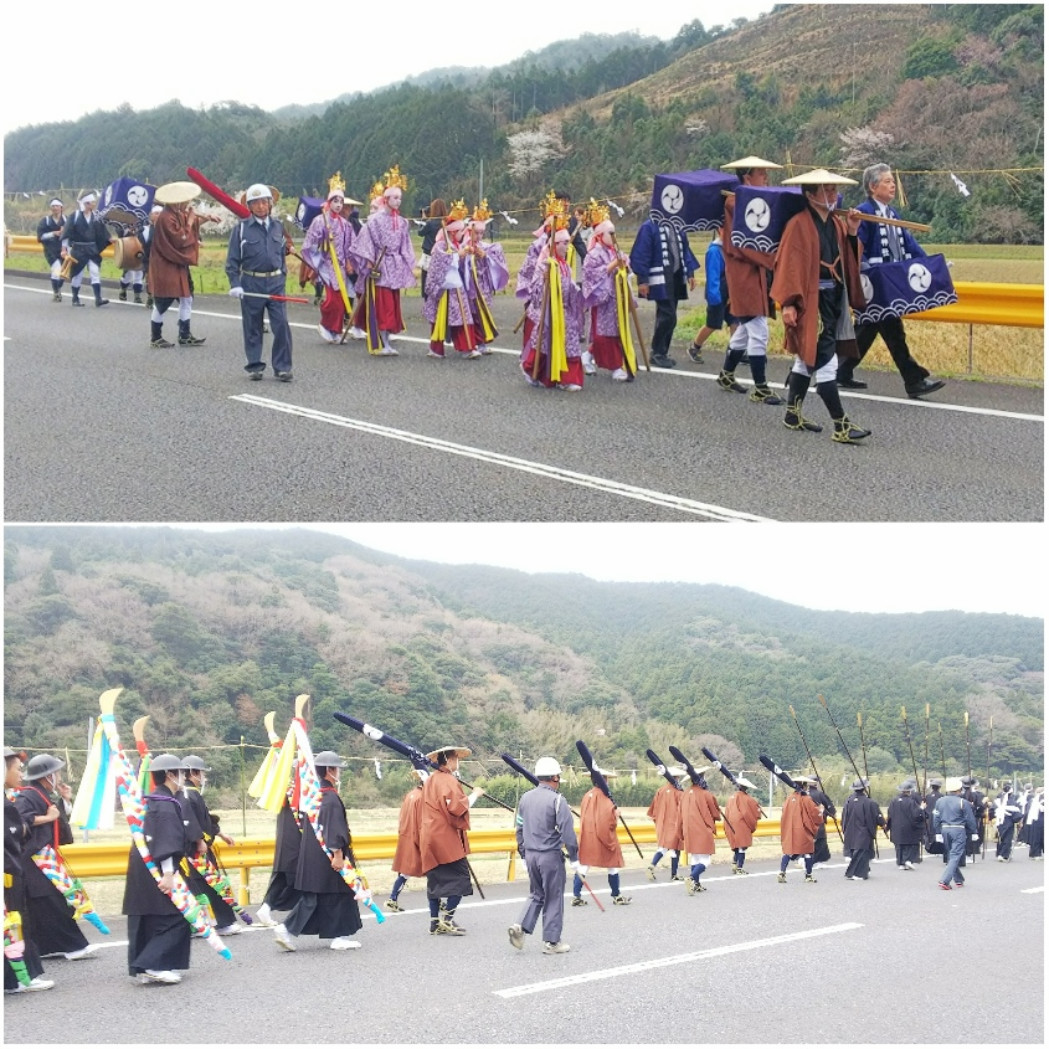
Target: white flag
378 769
963 189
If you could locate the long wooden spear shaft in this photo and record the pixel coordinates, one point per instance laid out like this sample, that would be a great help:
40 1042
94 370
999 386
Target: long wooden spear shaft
841 739
968 747
925 770
910 745
990 740
812 762
866 776
943 755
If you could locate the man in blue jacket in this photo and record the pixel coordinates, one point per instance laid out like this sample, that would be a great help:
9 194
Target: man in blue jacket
886 244
666 273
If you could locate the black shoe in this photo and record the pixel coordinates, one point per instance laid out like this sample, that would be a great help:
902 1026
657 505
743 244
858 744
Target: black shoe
77 302
924 387
764 395
123 295
256 375
56 296
849 383
662 361
727 381
102 302
695 353
190 340
160 344
284 376
846 433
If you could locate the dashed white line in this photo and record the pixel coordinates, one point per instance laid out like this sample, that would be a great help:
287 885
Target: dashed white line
553 473
676 959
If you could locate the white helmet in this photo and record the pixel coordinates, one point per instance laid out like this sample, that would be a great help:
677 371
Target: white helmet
547 767
258 192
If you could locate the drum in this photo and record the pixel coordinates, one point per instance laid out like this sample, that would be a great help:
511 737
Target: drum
894 289
691 200
128 253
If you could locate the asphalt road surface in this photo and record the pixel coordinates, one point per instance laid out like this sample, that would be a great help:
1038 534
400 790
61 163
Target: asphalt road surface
99 427
891 960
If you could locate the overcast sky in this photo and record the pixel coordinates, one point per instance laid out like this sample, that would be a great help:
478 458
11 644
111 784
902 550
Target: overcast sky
203 53
889 567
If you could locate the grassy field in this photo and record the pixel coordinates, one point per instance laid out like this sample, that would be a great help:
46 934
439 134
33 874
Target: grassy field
956 351
107 893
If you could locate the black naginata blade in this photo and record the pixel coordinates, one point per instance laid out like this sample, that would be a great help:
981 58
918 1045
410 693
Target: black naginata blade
520 769
596 776
712 758
662 769
692 773
418 759
777 771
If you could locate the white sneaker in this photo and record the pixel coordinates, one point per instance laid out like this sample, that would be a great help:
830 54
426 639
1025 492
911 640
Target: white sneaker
284 938
264 916
325 334
485 349
516 936
436 356
571 387
162 976
908 866
228 930
387 351
357 333
38 983
344 943
556 948
472 354
620 375
588 363
72 956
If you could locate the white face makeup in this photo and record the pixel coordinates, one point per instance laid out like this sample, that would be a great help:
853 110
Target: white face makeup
393 198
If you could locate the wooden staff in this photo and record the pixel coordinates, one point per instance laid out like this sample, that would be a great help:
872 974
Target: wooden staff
815 771
918 227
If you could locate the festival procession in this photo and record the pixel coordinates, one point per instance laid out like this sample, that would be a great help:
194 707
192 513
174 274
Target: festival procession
838 276
943 824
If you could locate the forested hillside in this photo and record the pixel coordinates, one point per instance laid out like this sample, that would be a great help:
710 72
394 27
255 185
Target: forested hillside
206 632
932 89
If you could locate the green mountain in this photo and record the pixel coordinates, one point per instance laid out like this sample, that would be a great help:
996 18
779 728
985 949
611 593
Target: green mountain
206 632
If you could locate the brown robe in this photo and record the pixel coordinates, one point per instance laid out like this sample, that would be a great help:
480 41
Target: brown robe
796 281
699 813
800 820
665 810
407 859
598 844
445 821
174 248
741 812
745 271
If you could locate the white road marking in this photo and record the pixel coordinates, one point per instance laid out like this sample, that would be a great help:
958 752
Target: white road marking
554 473
1037 888
677 959
668 372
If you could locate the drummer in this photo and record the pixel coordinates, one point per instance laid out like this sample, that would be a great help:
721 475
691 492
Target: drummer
175 246
886 244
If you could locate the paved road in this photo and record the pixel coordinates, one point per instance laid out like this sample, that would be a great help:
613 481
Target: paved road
890 960
98 427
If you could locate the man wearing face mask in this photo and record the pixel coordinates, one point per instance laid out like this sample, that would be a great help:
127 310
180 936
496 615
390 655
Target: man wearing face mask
256 269
384 259
326 906
202 830
158 935
327 249
816 279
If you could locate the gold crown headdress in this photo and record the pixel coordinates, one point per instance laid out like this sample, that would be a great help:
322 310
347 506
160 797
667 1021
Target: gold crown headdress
555 210
377 190
337 184
596 213
394 178
458 211
482 213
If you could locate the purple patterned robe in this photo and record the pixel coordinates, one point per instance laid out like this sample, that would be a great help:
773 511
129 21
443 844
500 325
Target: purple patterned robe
573 304
315 247
599 289
391 232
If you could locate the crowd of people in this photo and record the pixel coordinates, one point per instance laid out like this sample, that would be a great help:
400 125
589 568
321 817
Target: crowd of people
576 284
42 901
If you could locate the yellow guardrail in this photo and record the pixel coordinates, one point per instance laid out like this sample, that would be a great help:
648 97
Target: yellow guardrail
1011 305
106 860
